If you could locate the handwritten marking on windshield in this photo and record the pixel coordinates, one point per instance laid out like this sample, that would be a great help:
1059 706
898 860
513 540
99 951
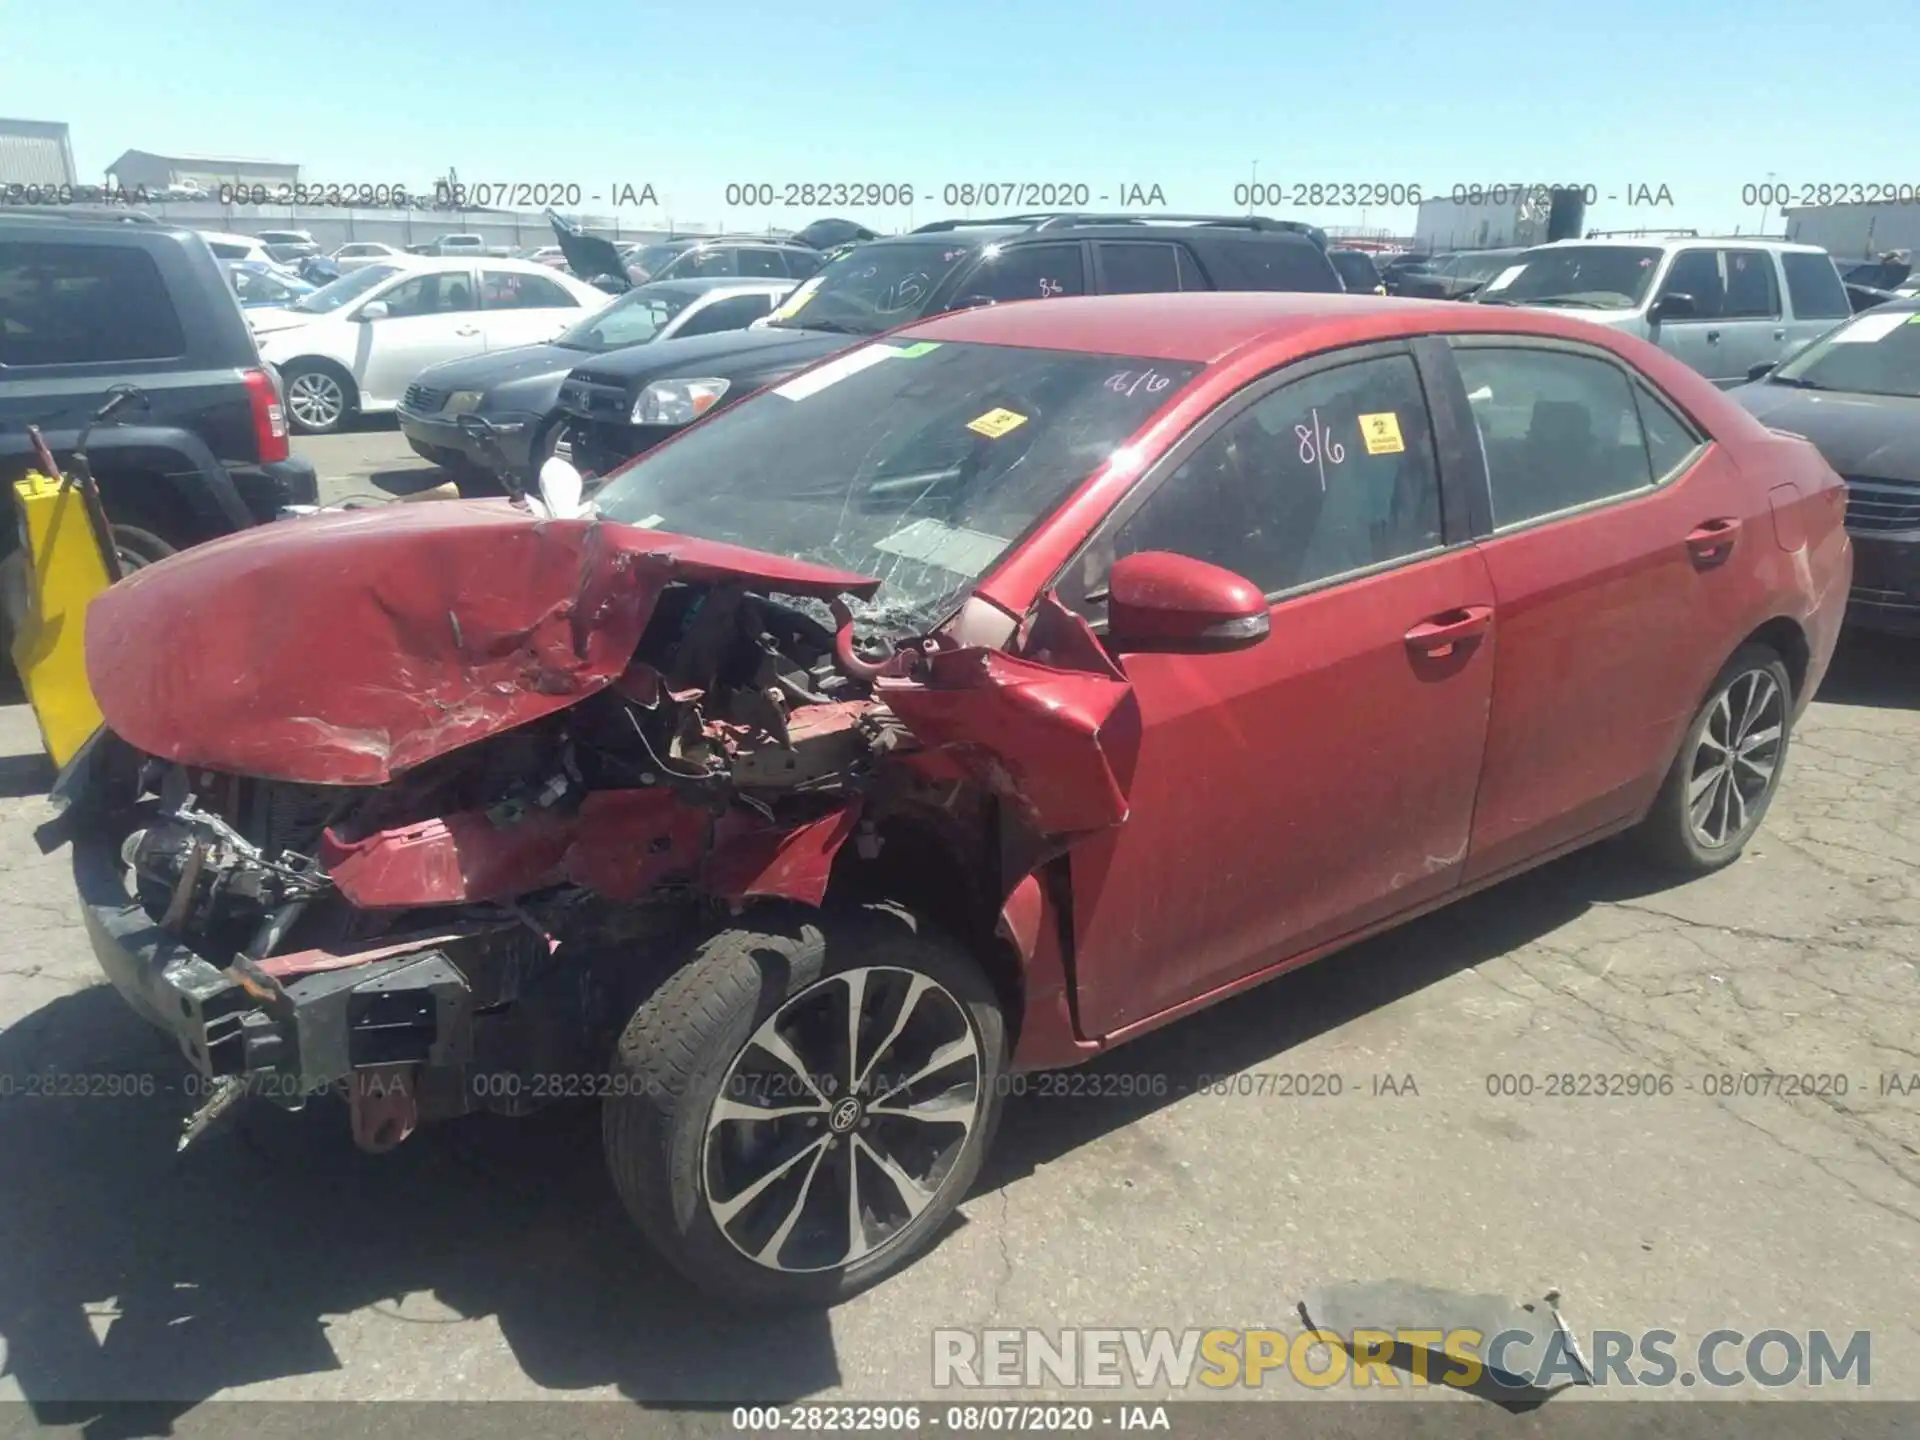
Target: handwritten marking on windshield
1127 382
1317 446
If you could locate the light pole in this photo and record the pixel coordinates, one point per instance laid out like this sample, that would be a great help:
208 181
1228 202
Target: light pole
1765 199
1253 188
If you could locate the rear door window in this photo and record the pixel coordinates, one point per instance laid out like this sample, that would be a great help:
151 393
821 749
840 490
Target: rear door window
756 261
1814 287
1558 430
1029 272
1136 269
1752 292
1277 262
84 304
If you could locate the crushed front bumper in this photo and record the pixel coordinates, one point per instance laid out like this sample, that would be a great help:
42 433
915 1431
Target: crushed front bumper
308 1021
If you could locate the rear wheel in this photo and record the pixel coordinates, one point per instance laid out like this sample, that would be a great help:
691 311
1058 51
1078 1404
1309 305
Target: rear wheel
1728 768
319 397
798 1109
138 548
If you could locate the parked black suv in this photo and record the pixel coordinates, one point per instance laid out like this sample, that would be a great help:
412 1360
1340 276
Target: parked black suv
623 403
89 301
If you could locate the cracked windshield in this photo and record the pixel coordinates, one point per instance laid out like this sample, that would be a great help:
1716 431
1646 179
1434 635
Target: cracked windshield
919 463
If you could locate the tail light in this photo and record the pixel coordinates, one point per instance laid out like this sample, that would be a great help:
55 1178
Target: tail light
269 416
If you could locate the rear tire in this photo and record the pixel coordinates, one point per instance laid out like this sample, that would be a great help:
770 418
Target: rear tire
1728 769
864 1150
138 548
320 397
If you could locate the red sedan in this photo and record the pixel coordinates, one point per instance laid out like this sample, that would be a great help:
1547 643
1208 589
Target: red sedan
973 702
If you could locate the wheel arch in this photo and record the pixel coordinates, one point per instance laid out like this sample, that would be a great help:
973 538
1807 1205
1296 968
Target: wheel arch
943 869
326 362
1787 638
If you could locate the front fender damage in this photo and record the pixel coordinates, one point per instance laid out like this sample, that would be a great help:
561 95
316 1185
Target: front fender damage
473 705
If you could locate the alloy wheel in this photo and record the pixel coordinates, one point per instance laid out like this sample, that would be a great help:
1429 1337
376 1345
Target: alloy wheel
316 399
1737 759
840 1120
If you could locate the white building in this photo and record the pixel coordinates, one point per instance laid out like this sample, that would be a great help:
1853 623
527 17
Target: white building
35 152
144 170
1856 232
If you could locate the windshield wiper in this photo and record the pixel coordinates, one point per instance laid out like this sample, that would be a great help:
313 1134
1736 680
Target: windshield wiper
1796 382
1565 300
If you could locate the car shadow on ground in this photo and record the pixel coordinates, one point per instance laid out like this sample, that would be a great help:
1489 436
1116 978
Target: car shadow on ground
1266 1022
1875 670
134 1273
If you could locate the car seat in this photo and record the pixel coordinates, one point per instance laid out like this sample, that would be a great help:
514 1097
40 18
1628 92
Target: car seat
1560 454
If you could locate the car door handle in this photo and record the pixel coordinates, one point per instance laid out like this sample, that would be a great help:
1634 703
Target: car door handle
1711 541
467 330
1713 337
1438 634
1780 334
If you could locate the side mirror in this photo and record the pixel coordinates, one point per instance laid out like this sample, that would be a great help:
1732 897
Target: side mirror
560 488
373 310
1174 603
1674 305
1762 370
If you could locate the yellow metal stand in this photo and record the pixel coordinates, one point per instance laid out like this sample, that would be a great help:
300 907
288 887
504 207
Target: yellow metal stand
65 570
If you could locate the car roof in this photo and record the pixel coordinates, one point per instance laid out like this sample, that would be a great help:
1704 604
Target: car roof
1208 326
229 237
1678 242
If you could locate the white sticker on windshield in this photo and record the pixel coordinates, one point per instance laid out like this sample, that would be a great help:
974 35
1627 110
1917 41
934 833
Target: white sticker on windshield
1506 277
834 371
951 547
1870 327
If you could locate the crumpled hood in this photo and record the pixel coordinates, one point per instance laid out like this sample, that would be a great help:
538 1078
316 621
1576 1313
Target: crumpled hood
348 648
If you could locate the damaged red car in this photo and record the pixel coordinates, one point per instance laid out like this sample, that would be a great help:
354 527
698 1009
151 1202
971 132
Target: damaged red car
974 701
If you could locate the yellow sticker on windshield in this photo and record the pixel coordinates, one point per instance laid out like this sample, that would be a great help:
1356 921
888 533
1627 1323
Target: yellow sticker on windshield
996 423
1382 434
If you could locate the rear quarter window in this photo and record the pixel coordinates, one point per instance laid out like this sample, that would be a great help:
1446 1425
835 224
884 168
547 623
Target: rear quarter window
83 304
1814 287
1269 264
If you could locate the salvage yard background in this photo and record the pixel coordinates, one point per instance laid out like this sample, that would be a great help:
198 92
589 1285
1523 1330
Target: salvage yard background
489 1258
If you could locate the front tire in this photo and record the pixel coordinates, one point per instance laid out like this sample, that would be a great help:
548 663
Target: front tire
1728 768
319 398
798 1109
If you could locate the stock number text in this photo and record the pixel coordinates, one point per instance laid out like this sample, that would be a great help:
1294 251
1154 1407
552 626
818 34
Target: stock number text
1783 192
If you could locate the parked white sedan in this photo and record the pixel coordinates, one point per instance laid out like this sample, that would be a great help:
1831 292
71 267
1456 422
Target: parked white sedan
358 254
352 347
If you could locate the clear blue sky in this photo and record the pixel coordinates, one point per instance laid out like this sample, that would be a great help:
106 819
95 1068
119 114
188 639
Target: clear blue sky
1701 97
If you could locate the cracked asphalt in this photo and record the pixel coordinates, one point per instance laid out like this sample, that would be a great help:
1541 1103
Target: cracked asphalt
489 1259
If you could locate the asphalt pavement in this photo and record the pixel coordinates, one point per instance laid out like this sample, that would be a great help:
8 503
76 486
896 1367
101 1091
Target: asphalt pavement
489 1259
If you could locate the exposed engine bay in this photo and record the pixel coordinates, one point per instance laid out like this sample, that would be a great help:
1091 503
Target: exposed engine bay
734 706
